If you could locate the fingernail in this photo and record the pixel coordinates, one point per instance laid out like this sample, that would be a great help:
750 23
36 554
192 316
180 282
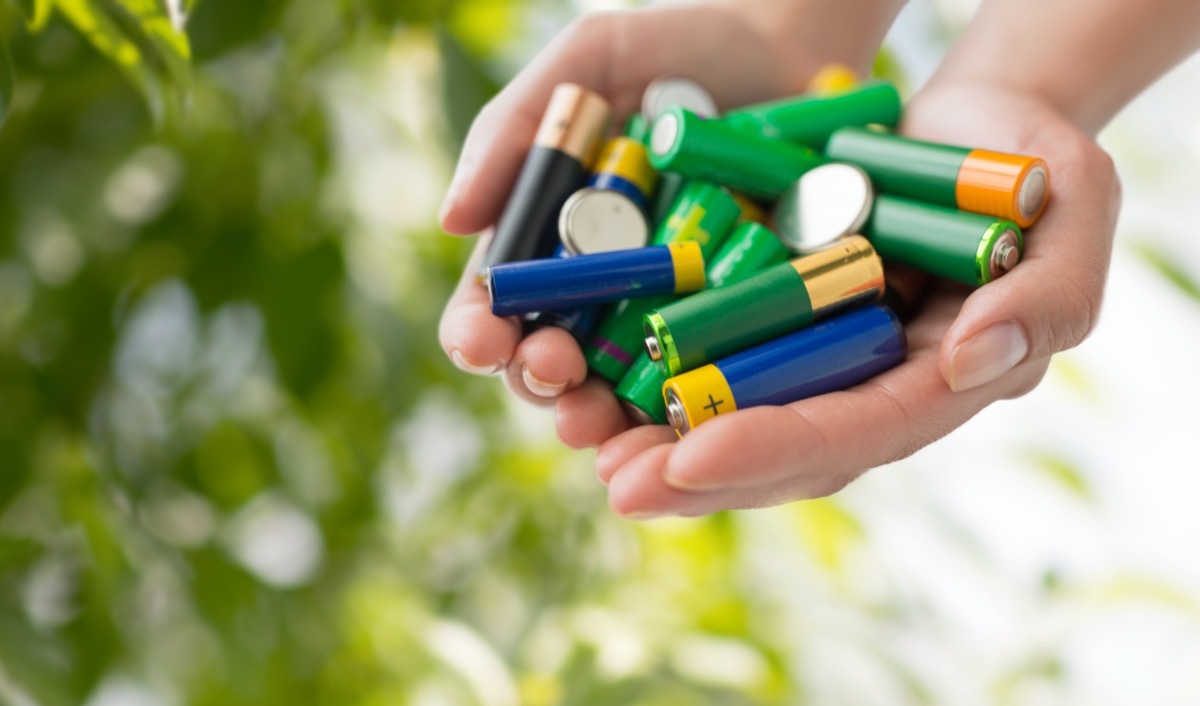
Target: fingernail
986 356
541 388
474 368
680 481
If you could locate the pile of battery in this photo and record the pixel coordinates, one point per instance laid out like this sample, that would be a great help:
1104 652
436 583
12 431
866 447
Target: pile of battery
708 263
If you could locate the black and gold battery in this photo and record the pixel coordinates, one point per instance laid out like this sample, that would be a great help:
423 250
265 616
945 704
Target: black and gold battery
718 322
965 247
563 150
681 141
582 280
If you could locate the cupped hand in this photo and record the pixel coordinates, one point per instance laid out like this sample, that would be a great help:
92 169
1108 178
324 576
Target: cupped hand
967 347
617 55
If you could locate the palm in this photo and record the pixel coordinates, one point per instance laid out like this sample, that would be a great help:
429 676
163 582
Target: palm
768 455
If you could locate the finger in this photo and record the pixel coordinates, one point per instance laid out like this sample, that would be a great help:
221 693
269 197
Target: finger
1051 300
821 443
589 415
618 450
616 54
501 134
546 364
476 340
637 491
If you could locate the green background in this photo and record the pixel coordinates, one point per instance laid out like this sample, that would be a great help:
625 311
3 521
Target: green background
236 468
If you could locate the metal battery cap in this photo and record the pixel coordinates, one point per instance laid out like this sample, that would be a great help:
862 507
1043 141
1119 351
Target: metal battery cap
1006 253
662 93
676 416
597 220
1033 193
827 203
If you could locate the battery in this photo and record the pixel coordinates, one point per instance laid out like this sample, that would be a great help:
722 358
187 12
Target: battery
567 282
829 202
681 141
670 185
703 212
749 249
637 127
624 167
597 220
696 330
965 247
997 184
832 355
670 91
563 149
810 119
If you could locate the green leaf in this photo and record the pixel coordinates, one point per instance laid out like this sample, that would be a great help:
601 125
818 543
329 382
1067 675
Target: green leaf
37 12
1165 265
7 82
140 38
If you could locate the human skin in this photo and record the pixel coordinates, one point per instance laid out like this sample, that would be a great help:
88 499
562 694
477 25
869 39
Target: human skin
1009 84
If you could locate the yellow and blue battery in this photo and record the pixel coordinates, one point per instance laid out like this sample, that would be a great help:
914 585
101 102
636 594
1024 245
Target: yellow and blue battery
833 355
565 283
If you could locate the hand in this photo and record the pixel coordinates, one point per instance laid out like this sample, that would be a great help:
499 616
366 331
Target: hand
967 348
731 47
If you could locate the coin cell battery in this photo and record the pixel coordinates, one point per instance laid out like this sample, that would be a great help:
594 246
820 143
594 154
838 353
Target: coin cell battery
827 203
598 220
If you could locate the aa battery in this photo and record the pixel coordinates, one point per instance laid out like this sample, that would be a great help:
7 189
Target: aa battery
556 166
703 212
681 141
832 355
965 247
810 119
749 249
691 332
568 282
997 184
624 167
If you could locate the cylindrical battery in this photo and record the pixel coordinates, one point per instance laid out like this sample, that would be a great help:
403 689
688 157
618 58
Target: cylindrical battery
598 220
680 141
696 330
810 119
832 355
637 127
1009 186
749 249
568 282
832 78
676 91
579 322
624 167
965 247
703 212
556 166
670 186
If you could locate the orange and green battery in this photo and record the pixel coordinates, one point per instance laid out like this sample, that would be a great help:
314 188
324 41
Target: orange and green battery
965 247
810 119
1010 186
703 212
718 322
751 248
713 150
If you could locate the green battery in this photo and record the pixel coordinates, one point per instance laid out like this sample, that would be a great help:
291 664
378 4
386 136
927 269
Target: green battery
718 322
681 141
670 185
637 128
810 119
703 212
751 248
965 247
1015 187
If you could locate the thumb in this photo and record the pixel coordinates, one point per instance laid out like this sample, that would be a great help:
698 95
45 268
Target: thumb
1051 300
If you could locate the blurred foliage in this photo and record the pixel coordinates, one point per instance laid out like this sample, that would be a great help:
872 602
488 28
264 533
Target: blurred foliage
235 467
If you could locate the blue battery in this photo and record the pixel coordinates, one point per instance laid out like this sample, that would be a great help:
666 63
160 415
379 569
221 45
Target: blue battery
611 182
833 355
564 283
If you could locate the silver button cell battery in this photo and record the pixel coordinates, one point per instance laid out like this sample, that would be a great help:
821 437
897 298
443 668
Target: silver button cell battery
827 203
662 93
598 220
